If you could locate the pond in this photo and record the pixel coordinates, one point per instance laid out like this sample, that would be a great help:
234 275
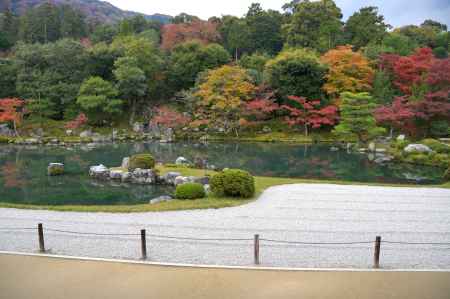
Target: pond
24 180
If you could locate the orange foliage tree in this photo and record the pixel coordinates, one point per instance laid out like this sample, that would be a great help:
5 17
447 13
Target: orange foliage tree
348 71
222 96
202 31
11 111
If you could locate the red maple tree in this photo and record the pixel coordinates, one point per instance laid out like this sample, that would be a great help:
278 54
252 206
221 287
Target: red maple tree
11 111
202 31
310 114
78 122
167 117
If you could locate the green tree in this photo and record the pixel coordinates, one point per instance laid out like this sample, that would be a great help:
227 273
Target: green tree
40 24
9 24
296 72
101 58
131 82
187 60
383 90
255 64
8 76
264 29
235 35
56 68
149 59
364 27
357 120
314 24
73 23
98 98
104 33
397 43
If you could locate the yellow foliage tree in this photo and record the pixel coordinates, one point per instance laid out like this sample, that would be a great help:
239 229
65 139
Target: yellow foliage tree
222 94
348 71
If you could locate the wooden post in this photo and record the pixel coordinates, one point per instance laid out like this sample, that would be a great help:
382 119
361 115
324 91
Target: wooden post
376 257
256 249
41 238
143 245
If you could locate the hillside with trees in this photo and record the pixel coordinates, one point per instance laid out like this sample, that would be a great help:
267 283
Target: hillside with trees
299 70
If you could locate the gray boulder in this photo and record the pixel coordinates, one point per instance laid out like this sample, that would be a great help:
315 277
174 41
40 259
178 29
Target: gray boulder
31 141
125 163
207 189
86 134
116 174
202 180
99 172
55 169
182 161
5 130
401 138
126 177
143 176
169 178
138 127
159 199
267 129
417 148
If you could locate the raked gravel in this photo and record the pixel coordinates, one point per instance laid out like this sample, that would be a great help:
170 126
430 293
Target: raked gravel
301 212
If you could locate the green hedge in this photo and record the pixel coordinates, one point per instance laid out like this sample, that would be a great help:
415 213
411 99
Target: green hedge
143 161
190 191
437 146
4 139
234 183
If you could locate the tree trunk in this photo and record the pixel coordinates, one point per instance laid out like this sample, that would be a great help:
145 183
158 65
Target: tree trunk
133 112
15 128
306 130
236 55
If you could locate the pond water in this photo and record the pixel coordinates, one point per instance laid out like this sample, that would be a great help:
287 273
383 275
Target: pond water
23 170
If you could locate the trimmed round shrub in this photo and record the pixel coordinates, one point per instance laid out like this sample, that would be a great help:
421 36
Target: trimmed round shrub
234 183
143 161
4 139
190 191
437 146
447 175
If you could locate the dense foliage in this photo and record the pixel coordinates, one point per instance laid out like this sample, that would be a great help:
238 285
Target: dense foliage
143 161
190 191
303 67
234 183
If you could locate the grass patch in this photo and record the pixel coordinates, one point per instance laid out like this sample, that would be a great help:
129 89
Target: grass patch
211 202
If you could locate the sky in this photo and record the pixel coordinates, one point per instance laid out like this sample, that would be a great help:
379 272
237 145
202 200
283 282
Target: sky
396 12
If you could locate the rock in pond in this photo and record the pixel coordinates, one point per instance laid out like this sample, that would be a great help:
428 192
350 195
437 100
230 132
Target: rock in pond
55 169
182 161
419 148
99 172
143 176
116 174
125 163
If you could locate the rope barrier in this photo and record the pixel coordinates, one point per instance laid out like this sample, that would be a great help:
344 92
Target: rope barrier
316 243
225 239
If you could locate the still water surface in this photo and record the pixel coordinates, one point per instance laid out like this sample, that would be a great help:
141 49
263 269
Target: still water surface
23 177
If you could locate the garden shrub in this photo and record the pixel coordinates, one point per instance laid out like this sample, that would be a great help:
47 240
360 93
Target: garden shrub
190 191
4 139
437 146
447 175
440 128
143 161
234 183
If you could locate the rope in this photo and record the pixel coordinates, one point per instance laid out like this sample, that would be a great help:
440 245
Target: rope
316 243
414 243
225 239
